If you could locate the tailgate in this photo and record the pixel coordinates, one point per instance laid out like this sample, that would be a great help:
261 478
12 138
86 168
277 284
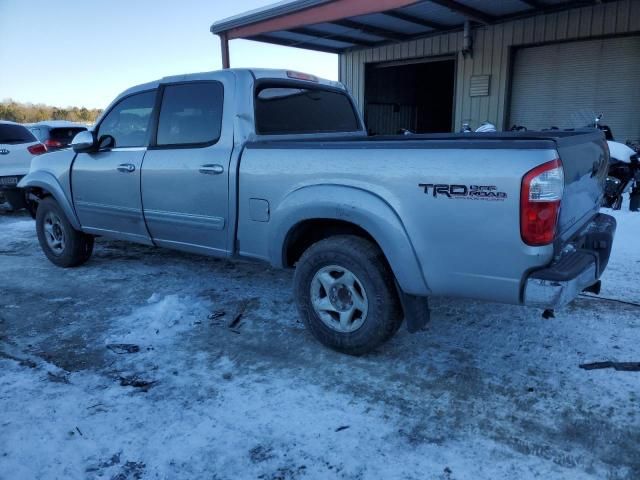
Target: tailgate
585 159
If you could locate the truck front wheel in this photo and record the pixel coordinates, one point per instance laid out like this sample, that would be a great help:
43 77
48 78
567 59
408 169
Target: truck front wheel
61 243
345 294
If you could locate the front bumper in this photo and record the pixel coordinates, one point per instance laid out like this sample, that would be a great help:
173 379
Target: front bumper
579 266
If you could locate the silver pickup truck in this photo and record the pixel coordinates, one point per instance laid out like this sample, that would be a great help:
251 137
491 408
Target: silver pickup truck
276 166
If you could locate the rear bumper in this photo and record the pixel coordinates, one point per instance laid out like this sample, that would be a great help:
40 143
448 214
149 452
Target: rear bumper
11 197
10 182
579 266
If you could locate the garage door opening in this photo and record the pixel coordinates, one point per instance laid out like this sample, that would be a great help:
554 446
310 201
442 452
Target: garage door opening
417 97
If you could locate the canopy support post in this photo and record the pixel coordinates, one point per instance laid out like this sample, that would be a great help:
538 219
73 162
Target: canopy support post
224 46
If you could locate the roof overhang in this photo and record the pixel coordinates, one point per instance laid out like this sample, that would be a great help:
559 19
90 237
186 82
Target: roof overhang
337 26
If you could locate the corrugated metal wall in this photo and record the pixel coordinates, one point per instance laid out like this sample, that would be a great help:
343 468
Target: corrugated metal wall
492 47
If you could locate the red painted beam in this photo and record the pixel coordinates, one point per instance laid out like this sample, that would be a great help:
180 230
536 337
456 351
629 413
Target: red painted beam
328 12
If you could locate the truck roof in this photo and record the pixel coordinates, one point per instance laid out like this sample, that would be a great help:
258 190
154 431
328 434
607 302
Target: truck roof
257 73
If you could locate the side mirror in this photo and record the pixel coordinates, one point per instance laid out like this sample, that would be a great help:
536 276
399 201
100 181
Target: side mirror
83 142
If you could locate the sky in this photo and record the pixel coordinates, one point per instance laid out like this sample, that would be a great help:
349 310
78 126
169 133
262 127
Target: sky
84 53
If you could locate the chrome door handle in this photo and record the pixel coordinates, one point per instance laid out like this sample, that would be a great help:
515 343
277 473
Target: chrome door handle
126 168
211 169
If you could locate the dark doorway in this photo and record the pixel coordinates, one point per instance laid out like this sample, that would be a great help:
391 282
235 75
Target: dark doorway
416 96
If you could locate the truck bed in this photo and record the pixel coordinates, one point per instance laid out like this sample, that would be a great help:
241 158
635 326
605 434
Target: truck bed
508 140
583 153
467 248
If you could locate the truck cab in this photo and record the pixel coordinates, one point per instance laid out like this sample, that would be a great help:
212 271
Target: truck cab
186 130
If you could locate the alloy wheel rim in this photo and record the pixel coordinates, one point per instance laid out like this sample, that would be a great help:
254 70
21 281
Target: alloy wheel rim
339 299
54 233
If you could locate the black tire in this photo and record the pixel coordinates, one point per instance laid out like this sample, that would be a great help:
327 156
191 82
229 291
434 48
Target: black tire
367 263
32 208
78 246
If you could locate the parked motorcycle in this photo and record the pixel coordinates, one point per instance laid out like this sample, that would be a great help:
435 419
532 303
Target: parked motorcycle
623 176
624 170
484 127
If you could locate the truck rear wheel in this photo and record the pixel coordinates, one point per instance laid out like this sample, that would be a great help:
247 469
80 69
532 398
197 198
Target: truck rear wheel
345 294
61 243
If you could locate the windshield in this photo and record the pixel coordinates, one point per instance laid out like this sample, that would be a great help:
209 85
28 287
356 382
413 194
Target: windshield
589 118
584 118
65 135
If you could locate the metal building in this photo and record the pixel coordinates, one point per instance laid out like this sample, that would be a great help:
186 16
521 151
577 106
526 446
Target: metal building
430 66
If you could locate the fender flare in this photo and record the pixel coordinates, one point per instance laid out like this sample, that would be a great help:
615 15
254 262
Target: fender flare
360 207
49 183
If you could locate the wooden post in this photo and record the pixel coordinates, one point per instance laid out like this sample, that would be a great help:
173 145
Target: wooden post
224 46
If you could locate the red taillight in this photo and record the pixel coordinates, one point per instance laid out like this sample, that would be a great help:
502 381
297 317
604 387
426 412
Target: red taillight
50 143
37 149
540 199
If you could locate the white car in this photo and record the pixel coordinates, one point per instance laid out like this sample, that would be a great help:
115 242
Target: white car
17 147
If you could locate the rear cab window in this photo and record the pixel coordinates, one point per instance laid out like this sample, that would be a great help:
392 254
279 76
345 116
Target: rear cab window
285 108
15 134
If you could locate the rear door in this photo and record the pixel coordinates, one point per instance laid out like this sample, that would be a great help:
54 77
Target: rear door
185 172
106 184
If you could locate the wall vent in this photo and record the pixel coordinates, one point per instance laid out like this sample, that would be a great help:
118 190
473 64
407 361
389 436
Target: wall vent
479 85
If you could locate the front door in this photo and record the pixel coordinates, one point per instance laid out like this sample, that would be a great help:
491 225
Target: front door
184 175
106 183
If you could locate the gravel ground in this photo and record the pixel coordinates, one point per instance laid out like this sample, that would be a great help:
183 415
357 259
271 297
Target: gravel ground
132 367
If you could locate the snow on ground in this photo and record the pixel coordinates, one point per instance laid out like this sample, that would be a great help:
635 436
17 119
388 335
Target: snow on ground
487 392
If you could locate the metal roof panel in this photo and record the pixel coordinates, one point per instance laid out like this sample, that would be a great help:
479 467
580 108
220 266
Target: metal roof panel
307 39
435 13
333 29
284 7
497 8
390 23
289 20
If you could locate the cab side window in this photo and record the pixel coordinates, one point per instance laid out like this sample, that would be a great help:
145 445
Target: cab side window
191 114
128 122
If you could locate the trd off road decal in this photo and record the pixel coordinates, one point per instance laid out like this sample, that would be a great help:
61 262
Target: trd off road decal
468 192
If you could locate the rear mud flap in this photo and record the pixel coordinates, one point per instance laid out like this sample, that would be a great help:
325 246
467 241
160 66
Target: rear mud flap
416 311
